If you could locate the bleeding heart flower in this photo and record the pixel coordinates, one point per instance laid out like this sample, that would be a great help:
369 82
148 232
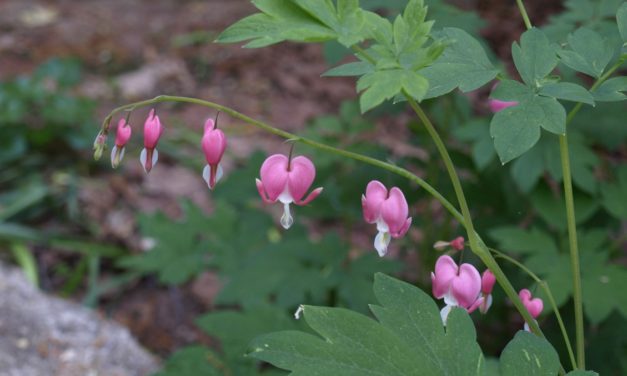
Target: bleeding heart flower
287 180
152 131
388 210
534 306
459 286
122 135
487 284
213 145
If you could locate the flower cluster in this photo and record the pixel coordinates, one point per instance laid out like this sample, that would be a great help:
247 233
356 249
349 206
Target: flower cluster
282 179
213 145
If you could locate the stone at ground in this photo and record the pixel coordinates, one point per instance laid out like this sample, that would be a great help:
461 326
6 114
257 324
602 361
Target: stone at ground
42 335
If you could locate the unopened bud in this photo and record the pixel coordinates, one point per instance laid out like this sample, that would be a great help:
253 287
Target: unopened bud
99 145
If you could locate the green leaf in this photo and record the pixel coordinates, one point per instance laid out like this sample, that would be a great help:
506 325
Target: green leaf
535 57
413 316
600 284
181 248
357 68
582 373
190 361
590 52
613 195
477 132
407 340
553 211
516 129
385 84
463 64
347 21
236 329
567 91
544 158
518 240
279 21
612 90
529 355
621 20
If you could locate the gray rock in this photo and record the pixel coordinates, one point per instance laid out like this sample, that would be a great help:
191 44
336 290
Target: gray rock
47 336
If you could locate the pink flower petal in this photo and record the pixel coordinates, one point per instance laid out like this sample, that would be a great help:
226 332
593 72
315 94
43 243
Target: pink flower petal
123 133
466 286
394 211
301 175
152 130
274 175
487 282
371 202
213 145
445 270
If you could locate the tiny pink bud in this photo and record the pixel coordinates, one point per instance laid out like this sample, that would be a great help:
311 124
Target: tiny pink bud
213 145
152 132
487 282
534 306
99 145
122 135
498 105
388 210
287 181
457 243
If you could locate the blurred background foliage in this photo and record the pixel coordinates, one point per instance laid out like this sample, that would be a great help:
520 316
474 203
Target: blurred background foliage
46 130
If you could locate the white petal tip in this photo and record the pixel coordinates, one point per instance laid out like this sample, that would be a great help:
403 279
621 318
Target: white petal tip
219 173
115 160
206 172
444 313
298 312
142 159
286 219
381 242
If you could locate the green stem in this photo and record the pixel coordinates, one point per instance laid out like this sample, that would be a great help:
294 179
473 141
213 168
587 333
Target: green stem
544 285
572 223
523 13
290 136
448 163
574 249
